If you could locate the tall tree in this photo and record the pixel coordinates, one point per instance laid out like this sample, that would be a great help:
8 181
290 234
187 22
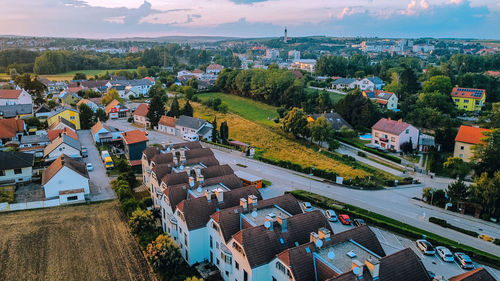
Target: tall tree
110 96
175 110
33 86
80 76
487 154
215 135
439 83
86 116
100 115
187 110
357 110
320 129
156 109
164 255
295 122
457 191
224 132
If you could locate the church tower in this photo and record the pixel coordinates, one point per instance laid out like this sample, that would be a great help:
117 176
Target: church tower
285 38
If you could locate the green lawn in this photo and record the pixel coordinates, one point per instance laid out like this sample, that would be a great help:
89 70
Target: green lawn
333 96
249 109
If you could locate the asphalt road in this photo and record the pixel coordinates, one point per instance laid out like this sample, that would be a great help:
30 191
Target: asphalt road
395 203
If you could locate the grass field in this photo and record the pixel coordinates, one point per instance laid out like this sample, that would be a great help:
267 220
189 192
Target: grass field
246 108
69 75
333 96
84 242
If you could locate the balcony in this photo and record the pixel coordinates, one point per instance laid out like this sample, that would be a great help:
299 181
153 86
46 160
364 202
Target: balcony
383 139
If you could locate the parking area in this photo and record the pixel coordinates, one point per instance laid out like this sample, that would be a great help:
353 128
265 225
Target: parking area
392 243
29 193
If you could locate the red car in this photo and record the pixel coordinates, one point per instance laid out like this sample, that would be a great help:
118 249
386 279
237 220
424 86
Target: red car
344 219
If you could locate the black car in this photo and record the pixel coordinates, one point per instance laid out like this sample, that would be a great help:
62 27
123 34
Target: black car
359 222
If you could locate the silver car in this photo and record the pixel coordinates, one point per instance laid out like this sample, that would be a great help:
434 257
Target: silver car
331 216
90 167
444 253
426 247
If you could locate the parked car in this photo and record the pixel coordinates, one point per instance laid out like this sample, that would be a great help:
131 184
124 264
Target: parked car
359 222
90 167
464 261
344 219
431 274
444 253
426 247
331 215
84 152
306 206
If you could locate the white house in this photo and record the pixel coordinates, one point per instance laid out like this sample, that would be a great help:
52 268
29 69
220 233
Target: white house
137 86
89 103
344 83
167 125
384 99
10 97
369 83
103 133
214 68
66 179
62 145
15 167
391 134
187 125
184 72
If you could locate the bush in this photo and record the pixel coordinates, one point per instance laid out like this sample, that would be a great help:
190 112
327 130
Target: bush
372 150
129 205
497 241
445 224
163 255
130 119
361 153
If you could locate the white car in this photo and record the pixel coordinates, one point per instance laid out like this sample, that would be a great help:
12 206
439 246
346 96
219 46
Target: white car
90 167
425 247
306 206
444 253
331 216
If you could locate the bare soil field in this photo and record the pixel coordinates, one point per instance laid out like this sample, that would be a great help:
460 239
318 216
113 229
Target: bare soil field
84 242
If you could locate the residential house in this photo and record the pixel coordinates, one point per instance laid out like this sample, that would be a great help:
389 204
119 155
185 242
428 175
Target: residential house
120 89
66 179
137 86
62 145
478 274
344 83
466 139
197 73
89 103
15 167
16 111
134 143
43 112
61 124
184 72
167 125
494 74
426 143
34 144
54 134
187 125
370 84
95 85
304 64
140 115
468 99
391 134
102 133
214 68
11 130
97 101
333 118
115 110
69 114
70 96
11 97
387 100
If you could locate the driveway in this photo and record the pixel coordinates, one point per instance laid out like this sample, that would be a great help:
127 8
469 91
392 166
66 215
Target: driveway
100 189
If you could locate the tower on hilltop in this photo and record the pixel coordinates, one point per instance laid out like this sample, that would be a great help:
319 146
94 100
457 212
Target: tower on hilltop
285 38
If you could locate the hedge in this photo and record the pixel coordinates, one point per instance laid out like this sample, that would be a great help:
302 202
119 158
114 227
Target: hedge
371 150
394 225
444 223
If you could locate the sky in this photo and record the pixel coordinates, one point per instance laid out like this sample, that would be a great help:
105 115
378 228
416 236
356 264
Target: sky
252 18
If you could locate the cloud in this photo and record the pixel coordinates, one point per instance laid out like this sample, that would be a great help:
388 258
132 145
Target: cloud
424 4
247 2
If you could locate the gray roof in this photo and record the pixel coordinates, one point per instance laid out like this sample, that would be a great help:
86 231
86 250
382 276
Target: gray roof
203 131
34 139
135 82
9 111
15 160
333 118
61 109
376 80
190 122
344 81
426 140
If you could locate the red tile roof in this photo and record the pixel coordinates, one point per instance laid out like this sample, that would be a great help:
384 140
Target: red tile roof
10 127
74 89
111 105
390 126
10 94
469 134
197 71
53 134
134 136
167 121
478 274
468 93
142 110
215 66
64 161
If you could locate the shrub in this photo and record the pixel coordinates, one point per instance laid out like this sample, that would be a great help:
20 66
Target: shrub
163 255
129 205
497 241
445 224
361 153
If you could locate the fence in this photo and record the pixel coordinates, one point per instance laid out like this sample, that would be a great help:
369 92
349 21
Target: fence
5 207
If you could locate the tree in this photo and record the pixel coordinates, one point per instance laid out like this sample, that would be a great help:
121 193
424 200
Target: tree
100 115
142 221
320 130
163 255
142 72
486 154
439 83
457 191
324 101
189 92
80 76
110 96
486 192
407 147
215 134
409 82
357 110
33 122
457 167
295 122
175 110
194 278
33 86
86 116
187 110
224 132
156 109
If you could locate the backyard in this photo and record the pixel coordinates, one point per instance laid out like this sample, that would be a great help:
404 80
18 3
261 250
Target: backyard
84 242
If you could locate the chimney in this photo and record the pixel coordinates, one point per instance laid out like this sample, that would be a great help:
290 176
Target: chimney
175 160
191 181
208 194
373 266
400 120
201 179
182 152
220 195
357 263
163 145
283 223
324 233
313 237
271 222
252 199
183 159
244 204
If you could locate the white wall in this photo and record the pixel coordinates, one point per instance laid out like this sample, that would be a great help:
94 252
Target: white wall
166 129
63 199
24 176
405 137
24 98
65 179
66 149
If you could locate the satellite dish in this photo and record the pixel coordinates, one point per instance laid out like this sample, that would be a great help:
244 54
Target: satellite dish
198 189
319 243
254 214
356 270
331 255
267 224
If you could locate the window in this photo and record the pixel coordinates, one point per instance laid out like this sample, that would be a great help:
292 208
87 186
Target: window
2 173
407 131
185 239
217 261
18 171
217 245
226 258
376 134
457 100
236 265
393 139
227 273
466 101
214 226
72 198
72 118
461 148
245 275
282 268
211 242
461 155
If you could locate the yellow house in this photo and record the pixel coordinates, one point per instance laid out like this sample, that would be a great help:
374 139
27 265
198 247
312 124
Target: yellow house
69 114
465 140
468 99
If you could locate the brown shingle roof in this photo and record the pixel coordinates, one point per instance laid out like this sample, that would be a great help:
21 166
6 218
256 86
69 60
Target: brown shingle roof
64 161
10 127
134 136
478 274
142 110
163 158
167 121
390 126
217 171
10 94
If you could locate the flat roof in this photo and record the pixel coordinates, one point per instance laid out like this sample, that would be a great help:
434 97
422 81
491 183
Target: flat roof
258 217
246 176
199 191
342 261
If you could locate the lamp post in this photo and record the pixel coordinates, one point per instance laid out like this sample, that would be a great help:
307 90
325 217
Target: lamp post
311 169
